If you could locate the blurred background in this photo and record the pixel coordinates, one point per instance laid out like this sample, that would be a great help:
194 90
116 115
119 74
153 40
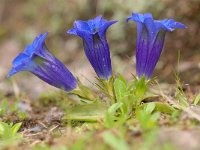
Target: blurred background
22 20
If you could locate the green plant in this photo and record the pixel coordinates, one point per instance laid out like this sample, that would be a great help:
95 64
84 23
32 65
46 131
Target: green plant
7 109
147 117
128 101
8 134
115 142
3 107
47 147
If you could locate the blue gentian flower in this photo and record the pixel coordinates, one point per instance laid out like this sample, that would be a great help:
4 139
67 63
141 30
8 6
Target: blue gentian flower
150 41
95 44
37 59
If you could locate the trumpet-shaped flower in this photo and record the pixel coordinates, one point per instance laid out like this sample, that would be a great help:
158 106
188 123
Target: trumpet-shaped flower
95 44
37 59
150 41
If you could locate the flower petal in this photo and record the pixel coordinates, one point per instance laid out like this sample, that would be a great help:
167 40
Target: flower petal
95 44
150 41
20 59
72 31
82 25
37 59
104 27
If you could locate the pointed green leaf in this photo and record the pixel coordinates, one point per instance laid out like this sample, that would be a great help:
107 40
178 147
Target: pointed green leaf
120 89
117 143
87 112
150 107
15 128
112 109
149 94
196 100
161 107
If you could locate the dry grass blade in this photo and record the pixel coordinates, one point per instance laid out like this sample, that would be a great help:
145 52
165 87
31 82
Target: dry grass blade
190 112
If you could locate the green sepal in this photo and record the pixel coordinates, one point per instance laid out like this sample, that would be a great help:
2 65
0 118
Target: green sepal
84 92
106 87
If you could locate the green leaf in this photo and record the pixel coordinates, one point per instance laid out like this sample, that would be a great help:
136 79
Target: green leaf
161 107
146 120
140 90
155 116
86 112
9 135
122 94
180 95
2 128
112 109
196 100
117 143
3 107
9 131
149 94
106 87
121 77
150 107
84 92
110 118
146 117
141 85
15 128
120 89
